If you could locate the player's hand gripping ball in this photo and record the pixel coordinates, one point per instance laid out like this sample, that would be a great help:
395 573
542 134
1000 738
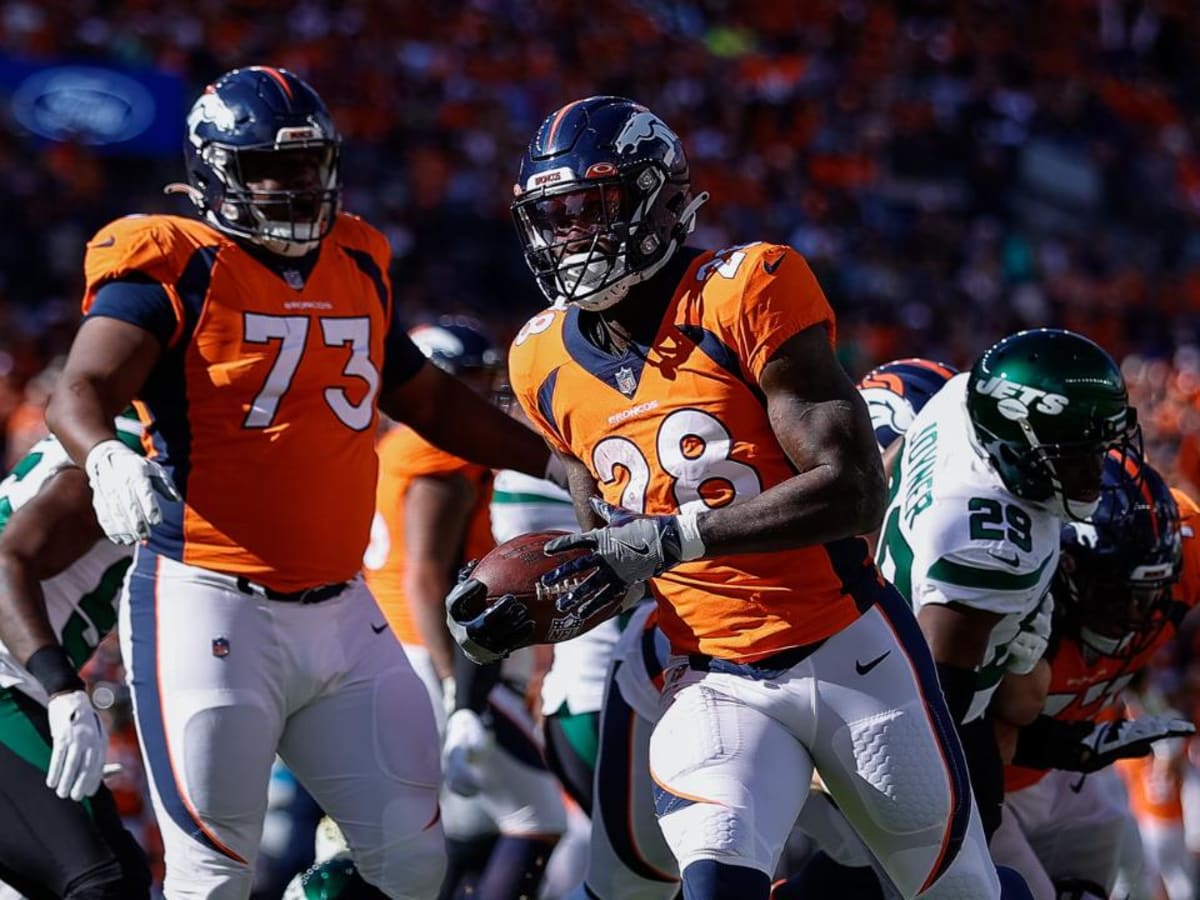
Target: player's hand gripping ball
500 603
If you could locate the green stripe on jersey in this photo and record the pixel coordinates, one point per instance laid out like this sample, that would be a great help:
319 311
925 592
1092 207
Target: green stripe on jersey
985 579
522 497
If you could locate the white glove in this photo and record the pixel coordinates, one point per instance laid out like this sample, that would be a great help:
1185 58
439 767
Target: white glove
467 742
123 488
1126 738
1031 641
77 760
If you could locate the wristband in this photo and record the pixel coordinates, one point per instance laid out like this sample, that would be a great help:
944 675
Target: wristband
54 670
691 546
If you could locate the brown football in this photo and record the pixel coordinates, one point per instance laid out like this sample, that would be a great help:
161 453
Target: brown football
516 566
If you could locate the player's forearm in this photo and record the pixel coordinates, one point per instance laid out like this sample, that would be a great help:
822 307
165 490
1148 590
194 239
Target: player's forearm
823 504
426 591
488 437
24 625
79 416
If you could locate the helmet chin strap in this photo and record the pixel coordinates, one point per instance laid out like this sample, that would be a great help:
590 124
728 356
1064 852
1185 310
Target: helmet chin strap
279 246
613 295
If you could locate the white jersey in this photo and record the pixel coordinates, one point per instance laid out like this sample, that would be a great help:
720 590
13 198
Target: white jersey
954 534
81 600
521 504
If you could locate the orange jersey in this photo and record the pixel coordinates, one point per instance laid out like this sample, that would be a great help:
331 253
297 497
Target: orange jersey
1155 788
682 424
1084 685
405 456
262 404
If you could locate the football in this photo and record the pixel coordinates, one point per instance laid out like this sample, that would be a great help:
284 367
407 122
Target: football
516 567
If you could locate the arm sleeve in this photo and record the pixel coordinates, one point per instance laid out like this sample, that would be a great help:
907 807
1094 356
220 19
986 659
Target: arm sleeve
473 682
139 301
402 359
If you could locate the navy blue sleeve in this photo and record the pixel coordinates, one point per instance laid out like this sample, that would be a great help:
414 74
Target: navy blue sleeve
401 357
141 303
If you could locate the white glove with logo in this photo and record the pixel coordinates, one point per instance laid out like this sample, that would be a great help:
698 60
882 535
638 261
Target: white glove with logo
77 759
124 485
1031 641
468 742
1126 738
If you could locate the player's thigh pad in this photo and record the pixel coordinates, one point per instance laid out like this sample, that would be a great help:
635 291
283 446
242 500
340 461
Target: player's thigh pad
207 679
628 855
885 746
729 778
366 747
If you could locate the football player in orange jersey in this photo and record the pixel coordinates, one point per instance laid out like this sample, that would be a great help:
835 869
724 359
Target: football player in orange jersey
1117 604
259 340
698 394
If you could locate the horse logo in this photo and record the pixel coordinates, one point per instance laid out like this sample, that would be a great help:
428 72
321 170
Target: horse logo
645 126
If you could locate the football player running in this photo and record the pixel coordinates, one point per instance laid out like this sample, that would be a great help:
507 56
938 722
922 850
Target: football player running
698 394
260 341
1117 604
59 580
990 470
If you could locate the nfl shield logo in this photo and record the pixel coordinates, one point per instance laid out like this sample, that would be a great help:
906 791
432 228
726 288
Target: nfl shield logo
626 383
294 279
220 647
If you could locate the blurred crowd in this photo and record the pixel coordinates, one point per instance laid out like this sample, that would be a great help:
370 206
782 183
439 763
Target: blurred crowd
954 170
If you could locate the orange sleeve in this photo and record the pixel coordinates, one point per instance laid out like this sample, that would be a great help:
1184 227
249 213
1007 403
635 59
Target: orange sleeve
531 370
1188 588
133 245
780 299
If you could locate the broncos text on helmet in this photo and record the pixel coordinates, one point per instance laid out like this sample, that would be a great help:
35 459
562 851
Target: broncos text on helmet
1115 572
262 160
896 391
602 201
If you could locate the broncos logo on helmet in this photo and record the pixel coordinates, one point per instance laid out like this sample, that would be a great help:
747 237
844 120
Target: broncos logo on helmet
896 391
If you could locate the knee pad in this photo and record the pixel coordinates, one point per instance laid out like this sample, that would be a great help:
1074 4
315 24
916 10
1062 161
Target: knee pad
410 868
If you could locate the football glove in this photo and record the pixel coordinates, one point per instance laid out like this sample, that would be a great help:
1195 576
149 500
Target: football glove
1031 641
487 636
1126 738
630 549
79 745
124 485
468 742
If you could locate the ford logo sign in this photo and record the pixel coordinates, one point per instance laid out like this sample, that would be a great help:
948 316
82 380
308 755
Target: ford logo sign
82 103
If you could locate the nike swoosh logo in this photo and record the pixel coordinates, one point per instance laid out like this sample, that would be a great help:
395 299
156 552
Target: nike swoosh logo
1014 561
112 240
379 629
770 267
643 550
864 668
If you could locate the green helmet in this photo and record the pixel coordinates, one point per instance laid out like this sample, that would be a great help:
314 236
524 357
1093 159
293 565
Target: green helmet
1046 405
333 879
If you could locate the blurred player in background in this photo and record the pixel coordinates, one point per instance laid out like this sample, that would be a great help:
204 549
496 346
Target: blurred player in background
432 514
59 580
260 340
699 392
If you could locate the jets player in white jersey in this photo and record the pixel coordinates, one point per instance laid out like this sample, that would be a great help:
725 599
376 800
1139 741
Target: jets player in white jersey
59 580
990 470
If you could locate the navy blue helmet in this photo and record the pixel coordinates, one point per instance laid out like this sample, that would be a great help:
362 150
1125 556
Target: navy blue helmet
896 391
456 344
1114 578
603 199
264 127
